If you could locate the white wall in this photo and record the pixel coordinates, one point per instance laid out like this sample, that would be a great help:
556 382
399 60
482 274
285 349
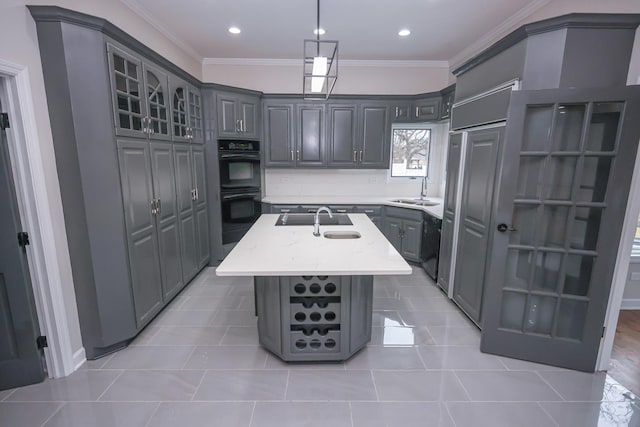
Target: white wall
349 182
400 78
20 46
631 296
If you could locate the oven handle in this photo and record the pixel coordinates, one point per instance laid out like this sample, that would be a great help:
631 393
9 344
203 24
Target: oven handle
240 196
240 156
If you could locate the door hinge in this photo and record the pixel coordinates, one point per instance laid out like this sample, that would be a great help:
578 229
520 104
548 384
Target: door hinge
23 238
4 121
41 341
603 328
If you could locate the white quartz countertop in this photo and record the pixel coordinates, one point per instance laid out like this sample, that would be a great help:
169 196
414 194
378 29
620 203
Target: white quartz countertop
270 250
436 211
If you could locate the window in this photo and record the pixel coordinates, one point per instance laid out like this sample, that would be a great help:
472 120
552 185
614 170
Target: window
410 149
635 250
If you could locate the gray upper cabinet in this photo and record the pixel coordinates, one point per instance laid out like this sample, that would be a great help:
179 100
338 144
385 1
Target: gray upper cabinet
156 86
279 134
420 110
127 92
237 115
342 136
448 95
310 147
186 112
374 136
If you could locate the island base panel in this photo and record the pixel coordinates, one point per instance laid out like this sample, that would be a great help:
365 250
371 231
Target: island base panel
314 318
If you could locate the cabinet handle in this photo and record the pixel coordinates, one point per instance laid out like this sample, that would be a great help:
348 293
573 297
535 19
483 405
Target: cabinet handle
417 111
396 112
292 155
311 210
197 194
193 194
297 154
361 155
355 156
159 206
242 127
145 129
237 125
368 211
153 207
285 210
341 210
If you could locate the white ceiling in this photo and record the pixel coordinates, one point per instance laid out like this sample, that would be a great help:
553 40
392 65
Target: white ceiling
365 29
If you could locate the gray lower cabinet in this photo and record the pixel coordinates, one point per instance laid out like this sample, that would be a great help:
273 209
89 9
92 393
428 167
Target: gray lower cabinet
201 209
186 211
142 230
449 211
373 212
403 228
286 209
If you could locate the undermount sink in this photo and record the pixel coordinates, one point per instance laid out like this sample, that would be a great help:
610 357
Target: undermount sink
308 219
342 235
417 202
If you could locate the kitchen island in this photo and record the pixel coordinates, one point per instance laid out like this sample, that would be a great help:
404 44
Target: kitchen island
314 295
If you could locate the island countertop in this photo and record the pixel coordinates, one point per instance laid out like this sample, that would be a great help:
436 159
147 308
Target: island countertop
270 250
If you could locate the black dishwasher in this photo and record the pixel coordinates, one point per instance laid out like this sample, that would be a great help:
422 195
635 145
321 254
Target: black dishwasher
430 244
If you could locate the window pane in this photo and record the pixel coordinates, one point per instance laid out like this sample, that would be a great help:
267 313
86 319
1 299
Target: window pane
410 153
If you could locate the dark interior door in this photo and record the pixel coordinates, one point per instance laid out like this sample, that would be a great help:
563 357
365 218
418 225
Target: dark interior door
20 358
565 178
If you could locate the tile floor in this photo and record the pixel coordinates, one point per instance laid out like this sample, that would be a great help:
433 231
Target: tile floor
198 364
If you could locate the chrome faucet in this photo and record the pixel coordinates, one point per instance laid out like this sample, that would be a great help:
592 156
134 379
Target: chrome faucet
316 222
423 189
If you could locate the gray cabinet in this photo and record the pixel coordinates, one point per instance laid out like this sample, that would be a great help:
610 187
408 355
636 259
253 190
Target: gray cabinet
186 212
310 144
186 111
373 212
342 142
141 227
449 211
403 228
448 95
285 209
201 209
374 136
279 134
237 115
418 110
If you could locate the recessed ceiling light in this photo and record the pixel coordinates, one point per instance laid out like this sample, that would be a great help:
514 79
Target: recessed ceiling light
404 33
234 30
319 31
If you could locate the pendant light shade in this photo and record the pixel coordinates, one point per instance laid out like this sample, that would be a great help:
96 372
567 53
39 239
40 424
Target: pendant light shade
320 65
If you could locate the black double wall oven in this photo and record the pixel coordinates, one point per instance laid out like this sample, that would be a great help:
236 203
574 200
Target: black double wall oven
240 183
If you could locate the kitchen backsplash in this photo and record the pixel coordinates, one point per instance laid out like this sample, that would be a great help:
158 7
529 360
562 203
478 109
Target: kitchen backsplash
351 182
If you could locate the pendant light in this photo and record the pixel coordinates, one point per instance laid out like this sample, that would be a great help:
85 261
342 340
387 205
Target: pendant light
320 64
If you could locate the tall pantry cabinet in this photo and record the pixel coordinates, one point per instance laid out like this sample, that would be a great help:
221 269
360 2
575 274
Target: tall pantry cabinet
128 131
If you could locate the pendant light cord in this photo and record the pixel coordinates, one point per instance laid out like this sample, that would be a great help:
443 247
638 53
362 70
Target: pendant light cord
318 29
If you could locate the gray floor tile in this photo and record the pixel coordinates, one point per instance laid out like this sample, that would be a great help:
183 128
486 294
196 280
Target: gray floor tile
426 386
405 414
92 364
241 335
228 357
5 393
524 365
32 414
422 291
274 362
453 335
242 290
150 357
185 318
458 357
386 358
188 335
201 414
146 335
433 318
242 385
586 387
594 414
235 318
330 385
246 303
399 303
103 414
506 386
387 318
79 386
297 414
401 336
208 290
511 414
440 303
211 303
154 386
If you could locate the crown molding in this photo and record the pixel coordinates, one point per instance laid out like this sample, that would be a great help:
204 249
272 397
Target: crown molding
341 62
498 32
143 13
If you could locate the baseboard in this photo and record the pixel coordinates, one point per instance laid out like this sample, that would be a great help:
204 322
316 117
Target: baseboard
630 304
79 357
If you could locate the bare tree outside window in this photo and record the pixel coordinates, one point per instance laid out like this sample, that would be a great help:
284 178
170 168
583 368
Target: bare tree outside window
410 152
